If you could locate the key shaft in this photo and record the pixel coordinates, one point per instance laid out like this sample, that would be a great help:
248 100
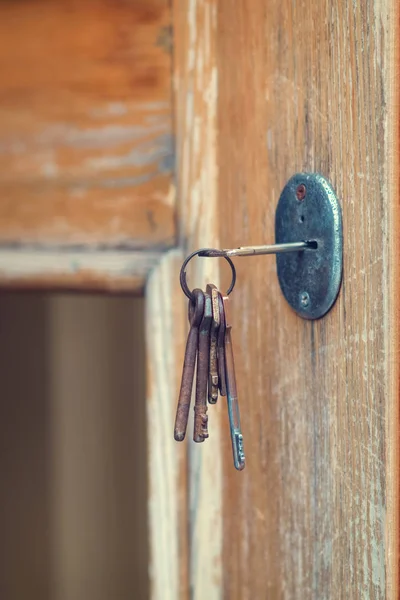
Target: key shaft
221 348
196 312
232 397
200 432
212 290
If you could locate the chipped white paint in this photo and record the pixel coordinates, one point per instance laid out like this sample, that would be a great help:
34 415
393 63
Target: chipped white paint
148 152
164 333
112 109
65 135
196 93
19 266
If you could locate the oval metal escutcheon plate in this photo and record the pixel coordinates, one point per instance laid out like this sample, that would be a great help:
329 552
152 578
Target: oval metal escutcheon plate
308 210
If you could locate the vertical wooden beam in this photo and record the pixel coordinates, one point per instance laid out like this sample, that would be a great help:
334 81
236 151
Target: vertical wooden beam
168 514
195 86
392 279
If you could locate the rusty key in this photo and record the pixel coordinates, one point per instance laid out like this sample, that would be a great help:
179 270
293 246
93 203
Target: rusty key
233 405
221 348
212 290
203 356
196 311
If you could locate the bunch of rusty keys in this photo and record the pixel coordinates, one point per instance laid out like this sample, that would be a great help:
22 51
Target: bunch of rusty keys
210 342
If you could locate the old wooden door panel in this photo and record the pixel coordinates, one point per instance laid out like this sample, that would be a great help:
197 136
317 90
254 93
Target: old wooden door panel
86 152
312 86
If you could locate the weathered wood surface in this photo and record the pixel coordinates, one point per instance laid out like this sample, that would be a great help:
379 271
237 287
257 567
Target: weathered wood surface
167 460
312 87
195 26
85 270
86 150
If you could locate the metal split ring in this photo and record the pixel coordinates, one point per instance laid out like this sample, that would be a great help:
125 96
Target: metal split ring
182 277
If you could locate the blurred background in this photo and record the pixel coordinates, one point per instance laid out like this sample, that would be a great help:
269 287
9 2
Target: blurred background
73 491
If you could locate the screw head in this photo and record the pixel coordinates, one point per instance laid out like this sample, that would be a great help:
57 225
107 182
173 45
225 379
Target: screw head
301 192
304 299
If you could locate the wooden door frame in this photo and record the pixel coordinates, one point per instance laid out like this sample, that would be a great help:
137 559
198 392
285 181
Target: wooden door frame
185 522
194 568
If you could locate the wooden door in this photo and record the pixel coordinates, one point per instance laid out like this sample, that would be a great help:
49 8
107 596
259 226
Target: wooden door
134 132
316 514
265 89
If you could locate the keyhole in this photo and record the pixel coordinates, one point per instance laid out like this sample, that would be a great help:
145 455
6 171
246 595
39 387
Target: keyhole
301 219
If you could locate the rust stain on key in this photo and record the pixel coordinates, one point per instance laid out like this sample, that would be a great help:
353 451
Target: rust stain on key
203 356
212 290
196 311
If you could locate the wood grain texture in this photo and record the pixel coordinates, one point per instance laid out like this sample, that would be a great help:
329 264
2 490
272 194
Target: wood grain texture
167 460
195 78
86 145
83 270
313 87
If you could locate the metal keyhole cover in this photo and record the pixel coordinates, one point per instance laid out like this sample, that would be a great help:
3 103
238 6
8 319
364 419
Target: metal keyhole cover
308 210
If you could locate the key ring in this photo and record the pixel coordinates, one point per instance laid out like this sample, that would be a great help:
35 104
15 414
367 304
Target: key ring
182 277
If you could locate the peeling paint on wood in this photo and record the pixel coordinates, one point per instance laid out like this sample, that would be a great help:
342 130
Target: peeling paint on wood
86 144
167 460
195 84
86 270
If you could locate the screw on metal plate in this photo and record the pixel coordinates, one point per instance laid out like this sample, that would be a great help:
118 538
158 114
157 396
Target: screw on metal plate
304 299
308 210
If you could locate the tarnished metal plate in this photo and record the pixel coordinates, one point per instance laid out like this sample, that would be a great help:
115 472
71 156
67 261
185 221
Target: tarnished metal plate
308 210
